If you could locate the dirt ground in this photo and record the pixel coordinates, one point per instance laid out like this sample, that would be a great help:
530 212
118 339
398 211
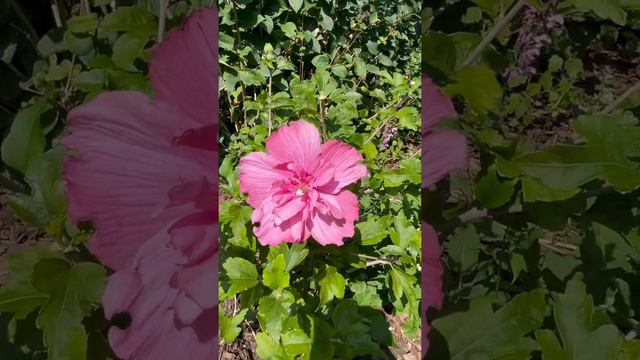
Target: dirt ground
15 235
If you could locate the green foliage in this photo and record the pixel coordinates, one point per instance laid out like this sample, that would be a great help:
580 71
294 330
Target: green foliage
352 70
540 237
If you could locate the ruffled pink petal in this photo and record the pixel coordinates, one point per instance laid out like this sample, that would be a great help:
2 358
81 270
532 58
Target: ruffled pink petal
327 230
343 205
347 164
259 177
436 106
160 312
183 68
119 181
442 153
291 208
272 230
297 142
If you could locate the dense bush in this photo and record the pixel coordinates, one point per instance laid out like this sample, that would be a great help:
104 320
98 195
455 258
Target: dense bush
351 68
540 235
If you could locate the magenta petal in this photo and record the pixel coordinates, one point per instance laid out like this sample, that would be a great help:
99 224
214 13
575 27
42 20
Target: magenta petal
143 176
291 208
442 152
184 68
343 205
119 179
258 176
327 230
436 106
297 142
347 162
160 313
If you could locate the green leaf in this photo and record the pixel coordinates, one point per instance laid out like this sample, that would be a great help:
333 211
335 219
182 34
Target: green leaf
365 295
481 333
322 348
331 285
126 50
268 349
373 230
402 283
83 24
296 5
25 140
320 61
19 296
229 326
326 21
550 346
607 9
72 291
409 118
360 68
133 20
92 80
79 44
353 331
273 311
242 275
409 171
479 87
463 247
630 350
404 234
289 29
493 192
573 314
275 275
296 342
518 264
567 167
613 249
534 190
439 51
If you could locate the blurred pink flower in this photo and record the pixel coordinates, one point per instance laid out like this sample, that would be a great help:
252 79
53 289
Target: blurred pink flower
443 151
297 189
145 176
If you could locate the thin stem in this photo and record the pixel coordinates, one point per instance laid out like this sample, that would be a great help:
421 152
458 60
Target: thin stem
614 105
163 20
56 15
269 113
493 33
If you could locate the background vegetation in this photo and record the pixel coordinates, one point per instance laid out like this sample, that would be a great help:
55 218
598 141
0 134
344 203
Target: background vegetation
352 68
541 234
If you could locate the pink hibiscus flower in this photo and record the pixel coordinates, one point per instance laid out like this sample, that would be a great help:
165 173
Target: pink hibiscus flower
145 176
443 151
297 188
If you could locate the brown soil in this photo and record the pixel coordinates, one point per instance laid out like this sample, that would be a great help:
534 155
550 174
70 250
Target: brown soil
15 235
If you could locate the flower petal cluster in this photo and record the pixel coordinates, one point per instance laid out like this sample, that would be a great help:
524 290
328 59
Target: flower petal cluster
443 151
297 188
144 174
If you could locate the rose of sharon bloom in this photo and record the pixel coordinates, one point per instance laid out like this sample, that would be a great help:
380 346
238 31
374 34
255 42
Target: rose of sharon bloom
443 151
145 176
297 188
